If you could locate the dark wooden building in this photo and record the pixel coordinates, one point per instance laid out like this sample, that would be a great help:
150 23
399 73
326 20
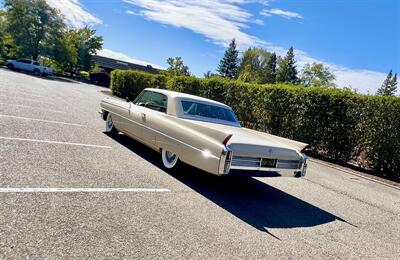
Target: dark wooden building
108 64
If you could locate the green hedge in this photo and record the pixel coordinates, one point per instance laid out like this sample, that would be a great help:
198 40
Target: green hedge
339 124
129 83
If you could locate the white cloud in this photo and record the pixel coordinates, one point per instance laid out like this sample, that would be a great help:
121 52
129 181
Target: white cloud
132 12
218 20
365 81
221 20
74 13
123 57
280 12
258 21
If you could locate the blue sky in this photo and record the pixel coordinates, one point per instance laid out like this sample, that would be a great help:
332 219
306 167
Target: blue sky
359 40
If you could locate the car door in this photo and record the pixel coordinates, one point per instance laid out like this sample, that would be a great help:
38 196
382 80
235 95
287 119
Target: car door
35 65
20 64
148 108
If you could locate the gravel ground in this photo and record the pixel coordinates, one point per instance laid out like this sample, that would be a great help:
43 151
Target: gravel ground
52 137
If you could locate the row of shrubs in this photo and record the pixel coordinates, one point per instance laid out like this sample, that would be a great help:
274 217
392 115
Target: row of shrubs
339 124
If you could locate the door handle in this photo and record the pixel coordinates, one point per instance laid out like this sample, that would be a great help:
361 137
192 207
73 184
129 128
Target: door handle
143 116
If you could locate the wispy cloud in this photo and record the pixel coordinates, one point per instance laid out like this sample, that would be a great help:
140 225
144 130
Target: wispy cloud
123 57
132 12
221 20
365 81
280 12
218 20
74 13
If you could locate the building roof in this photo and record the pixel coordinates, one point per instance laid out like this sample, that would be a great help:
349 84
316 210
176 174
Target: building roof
113 64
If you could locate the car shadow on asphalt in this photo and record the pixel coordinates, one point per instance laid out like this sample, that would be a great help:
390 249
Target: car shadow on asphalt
254 202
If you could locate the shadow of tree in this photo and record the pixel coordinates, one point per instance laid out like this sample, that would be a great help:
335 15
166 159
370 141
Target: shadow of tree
254 202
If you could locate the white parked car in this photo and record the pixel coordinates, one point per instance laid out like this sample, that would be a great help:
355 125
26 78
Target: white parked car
201 132
30 66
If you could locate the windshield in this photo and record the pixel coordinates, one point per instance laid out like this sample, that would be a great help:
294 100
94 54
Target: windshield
208 111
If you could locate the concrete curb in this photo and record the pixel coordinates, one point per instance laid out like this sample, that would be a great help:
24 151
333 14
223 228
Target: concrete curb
353 173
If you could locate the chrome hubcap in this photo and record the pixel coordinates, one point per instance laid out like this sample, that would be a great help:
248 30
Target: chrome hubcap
109 122
170 156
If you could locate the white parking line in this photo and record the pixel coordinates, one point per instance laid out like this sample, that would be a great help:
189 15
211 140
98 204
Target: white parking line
41 120
53 142
11 94
38 108
79 190
28 99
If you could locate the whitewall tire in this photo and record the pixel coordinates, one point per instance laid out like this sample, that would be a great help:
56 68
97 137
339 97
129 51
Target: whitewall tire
110 128
169 159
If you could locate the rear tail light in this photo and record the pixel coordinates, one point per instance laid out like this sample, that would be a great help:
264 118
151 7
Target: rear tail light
305 149
225 162
226 140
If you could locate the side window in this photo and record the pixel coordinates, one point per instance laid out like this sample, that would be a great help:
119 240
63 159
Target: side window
144 98
23 61
36 63
152 100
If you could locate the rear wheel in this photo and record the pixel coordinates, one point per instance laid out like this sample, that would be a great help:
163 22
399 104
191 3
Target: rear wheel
10 66
36 72
110 128
169 159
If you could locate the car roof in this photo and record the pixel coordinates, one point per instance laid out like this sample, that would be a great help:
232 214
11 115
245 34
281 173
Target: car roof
179 95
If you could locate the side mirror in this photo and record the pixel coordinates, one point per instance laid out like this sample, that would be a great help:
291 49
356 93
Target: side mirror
127 99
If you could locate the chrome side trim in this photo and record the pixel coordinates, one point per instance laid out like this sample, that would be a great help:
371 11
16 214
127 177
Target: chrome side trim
161 133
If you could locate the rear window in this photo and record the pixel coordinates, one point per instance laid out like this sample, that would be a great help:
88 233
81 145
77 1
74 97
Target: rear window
207 111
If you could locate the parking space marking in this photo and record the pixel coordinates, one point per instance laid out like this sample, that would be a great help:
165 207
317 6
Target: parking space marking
20 94
53 142
29 99
38 108
42 120
80 190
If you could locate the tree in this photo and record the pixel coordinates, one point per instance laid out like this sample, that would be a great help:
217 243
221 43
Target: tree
74 48
270 71
229 64
87 45
177 67
287 71
31 24
65 51
2 35
389 85
253 65
209 74
317 75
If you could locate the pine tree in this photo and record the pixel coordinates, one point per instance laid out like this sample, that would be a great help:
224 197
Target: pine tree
389 85
271 69
229 65
287 71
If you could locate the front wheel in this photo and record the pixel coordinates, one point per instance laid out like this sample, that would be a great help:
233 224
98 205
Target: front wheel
110 128
169 159
10 66
36 72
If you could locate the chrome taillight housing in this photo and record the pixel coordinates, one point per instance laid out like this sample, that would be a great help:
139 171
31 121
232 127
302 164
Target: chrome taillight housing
225 162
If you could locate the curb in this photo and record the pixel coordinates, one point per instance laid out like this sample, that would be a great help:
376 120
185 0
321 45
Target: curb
355 174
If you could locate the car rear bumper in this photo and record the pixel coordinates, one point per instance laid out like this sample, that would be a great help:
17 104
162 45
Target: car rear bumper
277 172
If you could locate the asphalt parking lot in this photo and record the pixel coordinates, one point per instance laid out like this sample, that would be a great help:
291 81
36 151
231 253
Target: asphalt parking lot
68 191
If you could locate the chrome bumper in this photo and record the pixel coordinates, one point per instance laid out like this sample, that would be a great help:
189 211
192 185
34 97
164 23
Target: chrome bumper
282 172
